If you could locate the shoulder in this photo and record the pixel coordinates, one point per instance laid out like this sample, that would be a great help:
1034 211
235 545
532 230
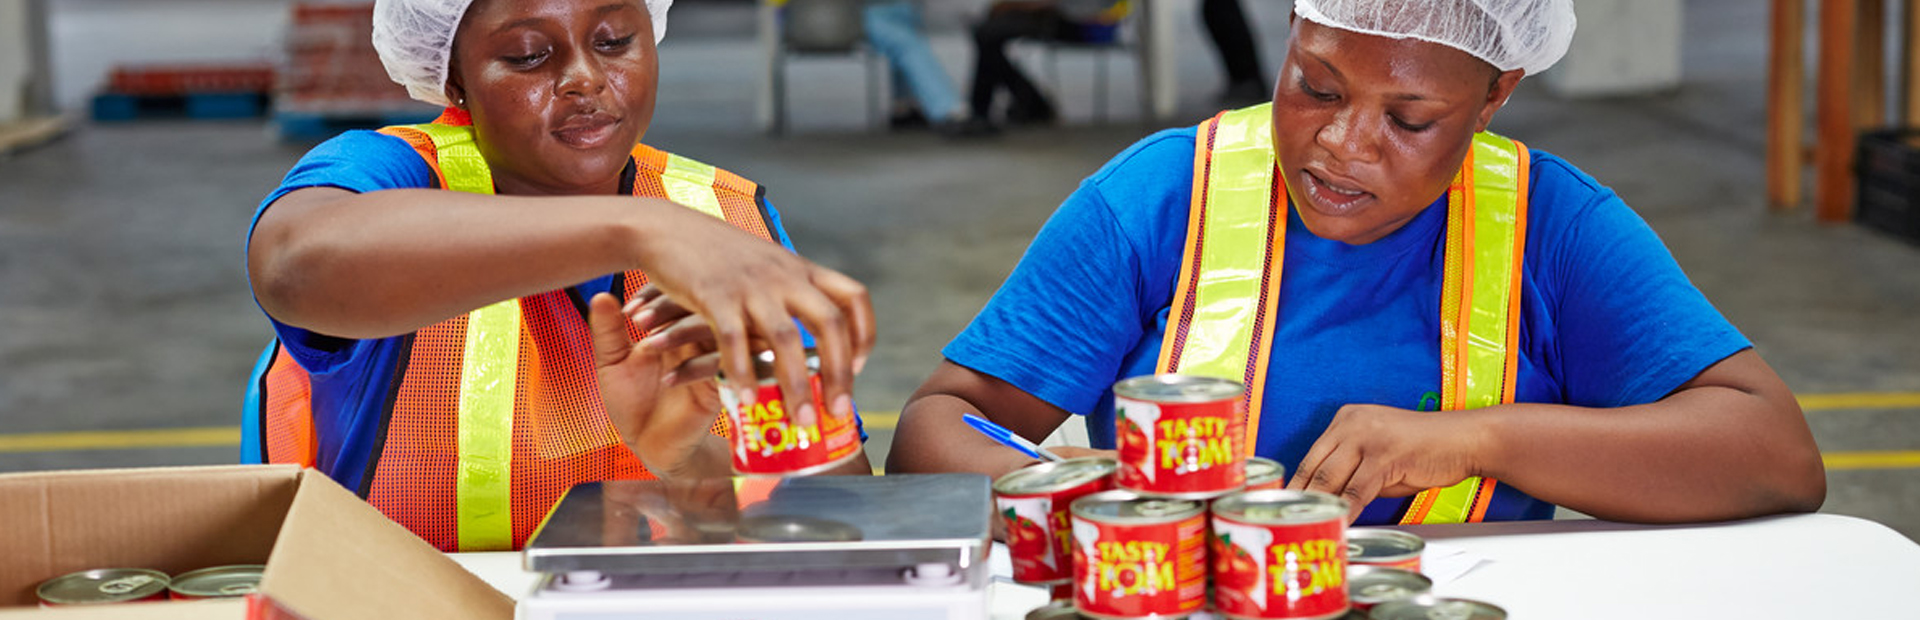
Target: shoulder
656 162
361 161
1148 177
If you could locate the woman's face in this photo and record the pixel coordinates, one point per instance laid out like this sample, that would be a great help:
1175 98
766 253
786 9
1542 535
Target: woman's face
560 90
1371 130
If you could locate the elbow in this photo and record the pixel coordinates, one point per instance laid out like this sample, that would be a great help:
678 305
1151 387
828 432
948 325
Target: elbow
1803 486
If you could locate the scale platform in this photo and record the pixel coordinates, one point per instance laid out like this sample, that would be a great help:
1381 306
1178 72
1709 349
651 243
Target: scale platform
843 547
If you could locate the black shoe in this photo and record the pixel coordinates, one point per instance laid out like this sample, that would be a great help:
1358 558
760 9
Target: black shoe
1041 114
908 120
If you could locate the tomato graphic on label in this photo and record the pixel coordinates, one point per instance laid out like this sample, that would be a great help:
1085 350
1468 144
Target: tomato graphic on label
1025 538
1235 575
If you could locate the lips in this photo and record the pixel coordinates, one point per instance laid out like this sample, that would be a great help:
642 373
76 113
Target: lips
1331 194
588 130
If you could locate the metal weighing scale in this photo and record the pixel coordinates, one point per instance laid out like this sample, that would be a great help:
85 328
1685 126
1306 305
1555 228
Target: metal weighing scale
900 547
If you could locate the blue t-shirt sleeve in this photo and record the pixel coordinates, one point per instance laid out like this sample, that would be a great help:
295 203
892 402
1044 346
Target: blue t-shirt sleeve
356 161
1632 326
1091 283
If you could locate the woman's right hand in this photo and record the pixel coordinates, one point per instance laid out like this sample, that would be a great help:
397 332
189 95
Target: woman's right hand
750 290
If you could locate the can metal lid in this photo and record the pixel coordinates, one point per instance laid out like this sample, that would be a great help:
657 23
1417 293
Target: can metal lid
1261 470
1372 585
1430 608
1055 476
1280 507
1125 507
1378 545
103 585
763 364
1178 389
794 529
1056 610
219 581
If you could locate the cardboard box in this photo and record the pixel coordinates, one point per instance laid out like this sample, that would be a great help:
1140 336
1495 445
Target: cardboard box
329 555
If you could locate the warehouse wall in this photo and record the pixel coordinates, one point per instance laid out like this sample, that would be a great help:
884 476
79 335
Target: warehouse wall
89 37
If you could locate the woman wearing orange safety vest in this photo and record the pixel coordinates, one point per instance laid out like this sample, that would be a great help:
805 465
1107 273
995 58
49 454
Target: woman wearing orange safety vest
1436 322
461 304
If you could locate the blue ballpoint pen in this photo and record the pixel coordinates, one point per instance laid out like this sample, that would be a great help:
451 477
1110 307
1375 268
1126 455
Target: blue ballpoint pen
1008 438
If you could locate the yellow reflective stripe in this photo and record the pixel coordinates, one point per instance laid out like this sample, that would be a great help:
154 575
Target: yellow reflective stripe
1239 189
1483 215
690 183
461 163
483 501
490 363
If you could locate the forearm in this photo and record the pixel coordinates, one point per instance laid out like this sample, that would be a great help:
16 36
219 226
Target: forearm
390 262
931 437
1703 453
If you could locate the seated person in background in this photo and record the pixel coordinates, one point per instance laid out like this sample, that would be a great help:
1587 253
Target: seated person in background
1007 20
1239 57
922 92
1436 323
452 299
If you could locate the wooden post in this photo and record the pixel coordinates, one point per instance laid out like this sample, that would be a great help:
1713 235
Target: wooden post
1910 73
1834 124
1786 116
1870 85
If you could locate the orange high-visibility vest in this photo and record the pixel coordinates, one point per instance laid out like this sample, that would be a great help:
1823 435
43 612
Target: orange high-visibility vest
498 411
1225 302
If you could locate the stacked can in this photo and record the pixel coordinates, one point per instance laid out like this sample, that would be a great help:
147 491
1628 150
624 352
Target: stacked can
1180 436
1264 474
1033 502
1138 557
1425 607
1368 586
1280 554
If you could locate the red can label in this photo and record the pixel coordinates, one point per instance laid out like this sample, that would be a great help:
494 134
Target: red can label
1292 571
1040 532
1139 570
768 441
1181 449
1408 564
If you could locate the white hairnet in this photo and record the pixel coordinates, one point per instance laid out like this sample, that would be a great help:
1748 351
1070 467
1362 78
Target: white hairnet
415 41
1509 34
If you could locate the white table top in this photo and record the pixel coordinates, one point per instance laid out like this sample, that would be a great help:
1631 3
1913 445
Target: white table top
1799 566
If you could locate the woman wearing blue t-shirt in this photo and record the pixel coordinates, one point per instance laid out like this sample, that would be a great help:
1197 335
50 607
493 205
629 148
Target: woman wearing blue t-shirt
1614 388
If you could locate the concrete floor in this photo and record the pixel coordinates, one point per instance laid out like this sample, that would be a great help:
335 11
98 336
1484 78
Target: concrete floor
123 304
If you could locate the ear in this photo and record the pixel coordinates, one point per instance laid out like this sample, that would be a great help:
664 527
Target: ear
455 89
1497 95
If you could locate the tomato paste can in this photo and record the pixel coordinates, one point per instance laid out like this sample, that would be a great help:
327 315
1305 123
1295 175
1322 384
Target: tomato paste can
1055 610
767 441
1033 502
102 586
1265 474
1063 591
1280 554
217 582
1381 547
1180 436
1427 607
1138 557
1368 586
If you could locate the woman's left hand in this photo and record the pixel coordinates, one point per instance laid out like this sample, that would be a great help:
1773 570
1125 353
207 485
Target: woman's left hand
654 398
1372 451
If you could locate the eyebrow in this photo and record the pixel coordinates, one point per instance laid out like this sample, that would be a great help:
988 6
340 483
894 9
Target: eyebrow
534 21
1415 97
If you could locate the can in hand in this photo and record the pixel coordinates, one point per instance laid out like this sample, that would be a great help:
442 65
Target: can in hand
104 586
768 441
1033 502
1180 436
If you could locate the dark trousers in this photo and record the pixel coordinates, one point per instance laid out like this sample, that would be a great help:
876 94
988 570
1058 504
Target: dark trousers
1234 39
993 71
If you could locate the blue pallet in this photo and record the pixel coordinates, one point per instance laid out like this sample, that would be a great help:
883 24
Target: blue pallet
314 127
116 107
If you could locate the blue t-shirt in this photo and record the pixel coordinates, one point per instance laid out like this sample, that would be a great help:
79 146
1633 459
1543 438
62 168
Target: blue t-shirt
352 378
1607 319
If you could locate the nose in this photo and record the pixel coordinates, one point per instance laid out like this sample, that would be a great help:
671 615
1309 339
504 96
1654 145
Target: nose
1349 138
583 76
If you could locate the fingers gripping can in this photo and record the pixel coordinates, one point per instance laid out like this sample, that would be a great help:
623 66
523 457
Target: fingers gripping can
1379 547
1180 435
768 441
1033 502
1280 554
1138 557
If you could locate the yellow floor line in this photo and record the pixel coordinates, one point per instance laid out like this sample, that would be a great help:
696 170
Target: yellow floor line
1900 459
118 440
1863 400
